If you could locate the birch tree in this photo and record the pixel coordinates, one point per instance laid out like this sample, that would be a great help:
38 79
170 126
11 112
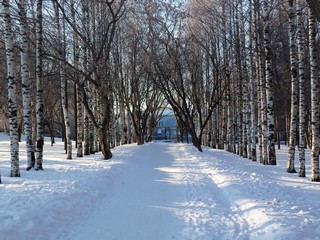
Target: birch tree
39 83
294 89
12 90
302 92
253 86
79 105
262 102
27 113
315 177
269 85
245 85
63 83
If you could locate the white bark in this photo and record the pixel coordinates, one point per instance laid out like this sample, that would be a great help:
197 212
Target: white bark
63 85
12 91
263 143
302 95
129 128
123 125
294 90
314 100
98 117
215 128
230 122
80 124
221 123
26 102
86 147
253 94
86 93
39 80
269 86
79 99
245 87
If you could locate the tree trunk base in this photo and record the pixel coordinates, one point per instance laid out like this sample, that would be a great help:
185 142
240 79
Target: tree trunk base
291 170
107 155
302 174
15 174
39 167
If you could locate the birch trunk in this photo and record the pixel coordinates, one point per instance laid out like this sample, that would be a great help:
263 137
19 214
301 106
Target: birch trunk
258 76
79 122
123 126
263 117
245 99
294 91
302 95
86 92
79 105
111 127
315 177
215 128
91 126
253 95
269 86
63 85
98 117
129 128
238 85
27 113
221 125
227 101
263 143
86 133
12 91
39 80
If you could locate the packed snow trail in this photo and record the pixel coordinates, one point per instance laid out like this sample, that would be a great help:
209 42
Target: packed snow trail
160 196
135 209
171 191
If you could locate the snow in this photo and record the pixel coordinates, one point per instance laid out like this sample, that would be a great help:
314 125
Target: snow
158 191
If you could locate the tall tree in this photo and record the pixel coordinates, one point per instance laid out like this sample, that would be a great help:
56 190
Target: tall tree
314 99
269 84
302 92
262 101
79 105
294 89
253 86
27 113
12 90
63 82
39 88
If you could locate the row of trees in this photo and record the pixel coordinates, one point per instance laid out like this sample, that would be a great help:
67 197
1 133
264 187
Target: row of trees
224 67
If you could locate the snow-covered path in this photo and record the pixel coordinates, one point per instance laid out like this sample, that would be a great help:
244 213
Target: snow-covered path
171 191
163 197
140 201
158 191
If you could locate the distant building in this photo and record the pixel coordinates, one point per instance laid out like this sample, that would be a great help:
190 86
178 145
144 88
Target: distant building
166 128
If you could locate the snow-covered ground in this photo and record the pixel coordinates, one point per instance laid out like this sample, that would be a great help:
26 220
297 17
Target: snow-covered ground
159 191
